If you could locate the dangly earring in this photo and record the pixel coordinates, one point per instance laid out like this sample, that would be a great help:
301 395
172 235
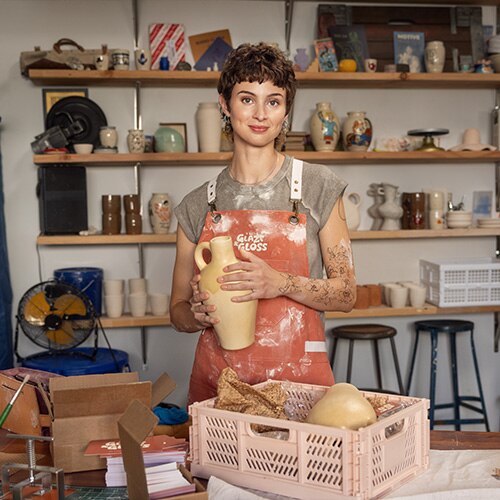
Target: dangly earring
281 138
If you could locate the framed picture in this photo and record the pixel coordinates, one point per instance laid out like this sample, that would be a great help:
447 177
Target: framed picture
325 53
181 128
52 95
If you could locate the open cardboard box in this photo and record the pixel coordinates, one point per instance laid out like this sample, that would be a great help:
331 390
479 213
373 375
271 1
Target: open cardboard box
87 407
134 426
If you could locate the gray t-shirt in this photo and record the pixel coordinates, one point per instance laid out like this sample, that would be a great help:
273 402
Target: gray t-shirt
321 188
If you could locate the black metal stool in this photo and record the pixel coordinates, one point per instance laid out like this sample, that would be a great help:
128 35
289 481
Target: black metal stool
451 328
368 332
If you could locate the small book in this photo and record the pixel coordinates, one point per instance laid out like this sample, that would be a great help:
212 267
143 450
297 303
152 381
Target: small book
409 48
350 43
325 53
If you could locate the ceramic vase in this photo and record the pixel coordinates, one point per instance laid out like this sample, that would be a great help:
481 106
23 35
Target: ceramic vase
435 57
208 127
325 127
301 59
390 210
136 142
168 140
160 213
236 328
108 136
373 212
352 202
357 131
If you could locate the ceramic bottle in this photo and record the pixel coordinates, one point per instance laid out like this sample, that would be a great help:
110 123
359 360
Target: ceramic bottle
390 210
357 131
236 329
160 213
325 127
208 127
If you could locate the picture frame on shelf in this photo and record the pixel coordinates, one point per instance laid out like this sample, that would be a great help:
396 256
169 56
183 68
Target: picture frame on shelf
182 129
53 95
325 54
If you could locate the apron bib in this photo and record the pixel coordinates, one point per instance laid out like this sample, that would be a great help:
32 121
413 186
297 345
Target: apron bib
289 337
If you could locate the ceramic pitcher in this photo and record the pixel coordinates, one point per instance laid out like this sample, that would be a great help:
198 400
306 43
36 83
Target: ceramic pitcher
357 131
352 202
236 329
325 127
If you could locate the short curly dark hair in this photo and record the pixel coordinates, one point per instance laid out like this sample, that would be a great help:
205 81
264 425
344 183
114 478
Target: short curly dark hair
257 63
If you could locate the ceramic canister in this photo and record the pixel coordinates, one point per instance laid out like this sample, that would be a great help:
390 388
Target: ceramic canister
325 127
108 136
208 127
160 213
236 329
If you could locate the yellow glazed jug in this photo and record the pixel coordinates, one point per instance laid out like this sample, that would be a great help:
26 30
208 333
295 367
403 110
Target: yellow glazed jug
236 328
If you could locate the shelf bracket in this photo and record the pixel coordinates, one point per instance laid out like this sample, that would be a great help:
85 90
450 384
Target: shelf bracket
288 23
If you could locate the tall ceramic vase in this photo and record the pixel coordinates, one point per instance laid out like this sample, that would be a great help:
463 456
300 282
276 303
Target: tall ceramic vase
236 328
208 127
390 210
357 131
160 213
435 57
325 127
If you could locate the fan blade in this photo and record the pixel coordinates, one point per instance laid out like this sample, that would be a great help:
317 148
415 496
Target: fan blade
36 309
69 304
63 335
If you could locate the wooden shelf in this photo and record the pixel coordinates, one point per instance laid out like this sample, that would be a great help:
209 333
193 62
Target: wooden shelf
162 239
304 79
208 159
127 321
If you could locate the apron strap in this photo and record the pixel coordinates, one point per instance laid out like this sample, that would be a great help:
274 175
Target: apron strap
211 197
296 189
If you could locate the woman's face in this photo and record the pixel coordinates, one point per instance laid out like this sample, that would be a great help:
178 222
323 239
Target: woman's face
257 111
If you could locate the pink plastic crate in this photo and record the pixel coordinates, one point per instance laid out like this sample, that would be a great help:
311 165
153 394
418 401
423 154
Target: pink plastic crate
312 461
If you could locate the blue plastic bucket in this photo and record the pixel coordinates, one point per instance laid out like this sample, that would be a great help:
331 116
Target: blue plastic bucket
86 279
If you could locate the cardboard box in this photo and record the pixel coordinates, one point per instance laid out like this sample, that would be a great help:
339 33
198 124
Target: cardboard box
133 427
87 407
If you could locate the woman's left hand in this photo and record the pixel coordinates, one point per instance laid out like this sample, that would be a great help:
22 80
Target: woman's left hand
254 275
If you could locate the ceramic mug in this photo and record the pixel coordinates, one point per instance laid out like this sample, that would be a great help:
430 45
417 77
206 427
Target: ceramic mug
101 62
137 285
137 303
114 287
370 65
114 305
418 294
399 296
142 58
120 59
159 303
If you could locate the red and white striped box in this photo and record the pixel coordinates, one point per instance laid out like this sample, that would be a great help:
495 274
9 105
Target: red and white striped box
167 39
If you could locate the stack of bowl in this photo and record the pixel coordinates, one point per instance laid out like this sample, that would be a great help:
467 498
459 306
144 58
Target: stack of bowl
458 219
494 52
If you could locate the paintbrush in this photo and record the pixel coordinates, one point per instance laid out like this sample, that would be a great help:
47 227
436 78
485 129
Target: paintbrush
10 404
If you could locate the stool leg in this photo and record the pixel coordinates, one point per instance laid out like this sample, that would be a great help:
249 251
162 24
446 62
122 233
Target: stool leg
478 377
334 351
396 365
349 361
412 362
432 389
377 364
454 381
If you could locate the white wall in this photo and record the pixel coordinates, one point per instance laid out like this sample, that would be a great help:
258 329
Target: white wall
26 23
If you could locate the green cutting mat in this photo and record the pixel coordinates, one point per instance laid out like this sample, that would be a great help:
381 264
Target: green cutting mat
86 493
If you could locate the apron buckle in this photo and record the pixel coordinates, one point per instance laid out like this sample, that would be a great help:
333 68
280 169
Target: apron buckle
216 217
294 219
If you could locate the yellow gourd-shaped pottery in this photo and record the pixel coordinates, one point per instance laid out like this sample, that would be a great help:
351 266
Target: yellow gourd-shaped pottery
236 328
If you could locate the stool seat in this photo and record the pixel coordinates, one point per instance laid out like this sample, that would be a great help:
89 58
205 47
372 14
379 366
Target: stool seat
373 333
449 327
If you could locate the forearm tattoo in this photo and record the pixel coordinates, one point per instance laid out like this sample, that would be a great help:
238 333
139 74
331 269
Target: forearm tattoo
337 289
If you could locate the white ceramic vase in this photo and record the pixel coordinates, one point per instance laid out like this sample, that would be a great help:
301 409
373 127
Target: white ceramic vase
160 213
357 131
325 127
208 127
435 57
390 210
352 202
136 141
236 329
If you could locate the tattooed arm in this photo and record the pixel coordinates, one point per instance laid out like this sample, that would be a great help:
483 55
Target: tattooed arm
335 293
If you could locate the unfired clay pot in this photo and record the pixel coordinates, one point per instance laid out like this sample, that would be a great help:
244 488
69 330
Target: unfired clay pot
236 329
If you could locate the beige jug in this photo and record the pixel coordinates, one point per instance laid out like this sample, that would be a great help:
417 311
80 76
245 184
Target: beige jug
352 203
236 329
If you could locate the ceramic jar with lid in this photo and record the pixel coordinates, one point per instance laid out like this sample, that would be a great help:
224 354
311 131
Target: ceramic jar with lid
108 136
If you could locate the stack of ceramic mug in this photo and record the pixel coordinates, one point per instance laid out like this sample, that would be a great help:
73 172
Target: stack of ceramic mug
403 294
114 297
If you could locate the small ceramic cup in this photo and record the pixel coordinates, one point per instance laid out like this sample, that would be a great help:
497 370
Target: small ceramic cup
417 296
142 58
113 287
399 296
138 285
159 303
114 304
370 65
137 303
120 59
387 291
101 62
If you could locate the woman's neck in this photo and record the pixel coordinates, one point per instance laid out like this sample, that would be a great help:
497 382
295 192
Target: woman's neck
253 166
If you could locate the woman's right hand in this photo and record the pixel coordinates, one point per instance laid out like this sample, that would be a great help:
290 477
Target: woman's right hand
198 308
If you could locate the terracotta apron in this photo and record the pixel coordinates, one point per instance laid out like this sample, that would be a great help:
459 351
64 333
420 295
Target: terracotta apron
289 338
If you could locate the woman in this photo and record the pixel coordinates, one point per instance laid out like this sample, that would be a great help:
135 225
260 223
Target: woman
293 208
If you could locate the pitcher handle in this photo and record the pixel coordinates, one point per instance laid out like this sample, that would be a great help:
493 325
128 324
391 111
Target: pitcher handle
198 254
355 198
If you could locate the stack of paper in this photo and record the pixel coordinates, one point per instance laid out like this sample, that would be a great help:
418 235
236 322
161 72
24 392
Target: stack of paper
167 480
158 451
